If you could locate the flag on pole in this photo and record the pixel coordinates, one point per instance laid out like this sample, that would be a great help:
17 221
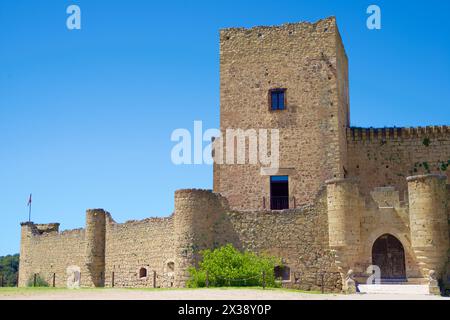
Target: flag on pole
29 208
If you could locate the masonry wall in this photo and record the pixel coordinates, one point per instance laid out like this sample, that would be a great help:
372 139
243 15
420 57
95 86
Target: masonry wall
298 236
385 157
384 213
307 60
47 251
168 246
140 244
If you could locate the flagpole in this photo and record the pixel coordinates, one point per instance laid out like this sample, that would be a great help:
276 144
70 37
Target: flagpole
29 209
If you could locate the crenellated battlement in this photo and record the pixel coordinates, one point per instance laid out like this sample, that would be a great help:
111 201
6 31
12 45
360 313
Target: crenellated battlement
385 134
322 25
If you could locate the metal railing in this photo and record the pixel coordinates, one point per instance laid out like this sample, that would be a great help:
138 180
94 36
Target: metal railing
279 203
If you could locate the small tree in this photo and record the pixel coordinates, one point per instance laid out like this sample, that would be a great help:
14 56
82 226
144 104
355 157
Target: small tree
226 266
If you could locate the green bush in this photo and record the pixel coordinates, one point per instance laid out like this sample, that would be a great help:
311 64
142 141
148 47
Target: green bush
226 266
39 282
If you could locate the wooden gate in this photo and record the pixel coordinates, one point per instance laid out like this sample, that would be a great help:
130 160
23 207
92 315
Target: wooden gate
388 254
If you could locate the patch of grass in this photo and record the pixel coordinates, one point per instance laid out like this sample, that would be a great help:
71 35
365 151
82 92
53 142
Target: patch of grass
223 289
268 289
11 291
8 291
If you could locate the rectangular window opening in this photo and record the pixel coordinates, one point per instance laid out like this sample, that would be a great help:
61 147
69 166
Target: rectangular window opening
279 192
277 99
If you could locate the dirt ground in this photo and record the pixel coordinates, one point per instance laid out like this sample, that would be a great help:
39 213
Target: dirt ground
190 294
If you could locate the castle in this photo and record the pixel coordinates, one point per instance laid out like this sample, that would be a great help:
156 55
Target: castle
343 198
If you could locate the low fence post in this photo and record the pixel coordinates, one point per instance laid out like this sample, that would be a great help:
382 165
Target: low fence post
17 280
112 279
321 282
207 279
54 278
154 279
264 280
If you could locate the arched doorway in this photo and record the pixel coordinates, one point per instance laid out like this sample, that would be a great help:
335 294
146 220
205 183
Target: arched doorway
388 254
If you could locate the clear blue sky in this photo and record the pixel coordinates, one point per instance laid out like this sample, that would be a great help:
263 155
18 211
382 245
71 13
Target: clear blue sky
86 116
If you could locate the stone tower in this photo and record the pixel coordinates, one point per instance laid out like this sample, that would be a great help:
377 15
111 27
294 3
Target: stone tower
196 211
429 222
308 63
95 248
344 213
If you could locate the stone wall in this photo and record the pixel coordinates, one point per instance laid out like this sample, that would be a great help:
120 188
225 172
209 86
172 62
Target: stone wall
420 223
103 250
299 237
384 213
134 245
48 252
309 61
385 157
166 247
331 235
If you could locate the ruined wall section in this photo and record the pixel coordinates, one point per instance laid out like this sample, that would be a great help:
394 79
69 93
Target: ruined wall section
307 60
386 157
47 252
135 245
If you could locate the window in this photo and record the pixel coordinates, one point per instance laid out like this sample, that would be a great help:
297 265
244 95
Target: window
277 99
282 273
279 192
142 273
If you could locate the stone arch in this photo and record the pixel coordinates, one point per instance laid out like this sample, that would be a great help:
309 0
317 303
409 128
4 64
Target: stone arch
388 254
410 258
374 235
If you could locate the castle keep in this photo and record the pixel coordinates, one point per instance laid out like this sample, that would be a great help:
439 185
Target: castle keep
343 198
